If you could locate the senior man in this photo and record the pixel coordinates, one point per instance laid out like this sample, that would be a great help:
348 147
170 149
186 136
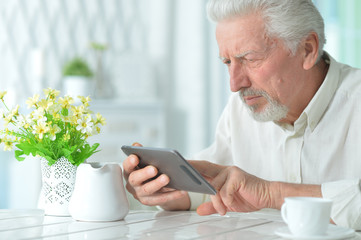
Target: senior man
292 126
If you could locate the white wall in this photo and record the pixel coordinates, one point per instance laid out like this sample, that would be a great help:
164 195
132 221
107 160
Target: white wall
199 93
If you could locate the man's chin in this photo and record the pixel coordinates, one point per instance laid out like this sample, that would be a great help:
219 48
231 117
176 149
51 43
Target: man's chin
274 113
269 111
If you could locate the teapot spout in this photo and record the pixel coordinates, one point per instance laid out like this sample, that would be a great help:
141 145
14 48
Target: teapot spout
96 164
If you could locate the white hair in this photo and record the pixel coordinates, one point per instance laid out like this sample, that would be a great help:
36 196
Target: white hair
288 20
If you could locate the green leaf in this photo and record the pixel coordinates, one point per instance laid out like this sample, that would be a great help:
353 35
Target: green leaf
19 153
50 160
26 148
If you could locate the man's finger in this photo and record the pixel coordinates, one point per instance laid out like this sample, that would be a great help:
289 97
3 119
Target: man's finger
129 165
206 168
218 204
227 184
206 209
137 178
154 186
136 144
161 198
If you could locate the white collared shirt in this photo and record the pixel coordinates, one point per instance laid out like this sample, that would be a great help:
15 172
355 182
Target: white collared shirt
323 146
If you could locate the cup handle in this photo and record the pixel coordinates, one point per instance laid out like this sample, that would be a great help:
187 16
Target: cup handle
284 212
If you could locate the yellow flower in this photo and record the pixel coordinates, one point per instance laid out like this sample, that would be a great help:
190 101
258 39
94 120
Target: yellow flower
45 103
41 129
8 145
85 100
8 141
85 125
28 121
2 95
66 137
51 93
32 101
100 119
67 119
15 111
78 111
39 115
54 109
8 119
96 130
21 121
66 101
56 116
53 130
74 120
2 113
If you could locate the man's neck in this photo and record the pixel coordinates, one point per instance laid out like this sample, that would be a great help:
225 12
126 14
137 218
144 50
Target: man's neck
316 75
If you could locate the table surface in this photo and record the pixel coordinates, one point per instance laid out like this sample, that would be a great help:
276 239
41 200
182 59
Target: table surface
32 224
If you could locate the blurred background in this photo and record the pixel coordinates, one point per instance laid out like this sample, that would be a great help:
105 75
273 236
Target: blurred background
157 77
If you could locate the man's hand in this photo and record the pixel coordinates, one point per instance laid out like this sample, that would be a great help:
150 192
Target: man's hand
238 191
152 192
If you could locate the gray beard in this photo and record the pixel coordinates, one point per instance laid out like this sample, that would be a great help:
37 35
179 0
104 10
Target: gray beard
274 111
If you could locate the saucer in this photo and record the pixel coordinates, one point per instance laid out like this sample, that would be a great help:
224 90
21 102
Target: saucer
333 233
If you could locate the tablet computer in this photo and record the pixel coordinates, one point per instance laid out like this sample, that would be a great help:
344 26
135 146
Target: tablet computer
168 161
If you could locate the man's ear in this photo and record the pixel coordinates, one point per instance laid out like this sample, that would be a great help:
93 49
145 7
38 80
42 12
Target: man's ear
310 50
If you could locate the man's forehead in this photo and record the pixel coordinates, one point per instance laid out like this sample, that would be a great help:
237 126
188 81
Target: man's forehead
249 48
241 36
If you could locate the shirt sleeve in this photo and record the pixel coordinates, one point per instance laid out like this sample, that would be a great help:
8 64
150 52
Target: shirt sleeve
197 199
346 197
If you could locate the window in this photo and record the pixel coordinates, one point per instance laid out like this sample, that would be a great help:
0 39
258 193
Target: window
343 29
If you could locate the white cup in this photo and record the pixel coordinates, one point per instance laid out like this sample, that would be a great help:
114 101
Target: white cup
307 216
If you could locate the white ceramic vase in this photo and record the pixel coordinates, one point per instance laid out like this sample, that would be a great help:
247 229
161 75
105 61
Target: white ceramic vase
58 182
99 193
75 86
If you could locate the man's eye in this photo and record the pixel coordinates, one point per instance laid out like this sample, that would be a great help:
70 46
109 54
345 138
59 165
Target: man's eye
227 62
250 59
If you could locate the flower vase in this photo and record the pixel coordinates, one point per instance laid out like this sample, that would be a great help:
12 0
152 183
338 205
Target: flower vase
58 182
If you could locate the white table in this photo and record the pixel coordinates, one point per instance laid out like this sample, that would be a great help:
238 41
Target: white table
32 224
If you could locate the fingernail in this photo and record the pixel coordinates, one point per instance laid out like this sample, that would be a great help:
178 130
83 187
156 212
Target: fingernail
151 170
223 212
133 159
163 178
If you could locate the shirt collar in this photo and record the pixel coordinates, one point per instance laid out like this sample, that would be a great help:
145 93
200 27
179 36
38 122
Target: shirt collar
318 104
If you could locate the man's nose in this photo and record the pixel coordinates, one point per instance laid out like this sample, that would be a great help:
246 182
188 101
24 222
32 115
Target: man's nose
238 77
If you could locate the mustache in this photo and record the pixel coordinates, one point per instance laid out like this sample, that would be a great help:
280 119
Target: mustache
252 92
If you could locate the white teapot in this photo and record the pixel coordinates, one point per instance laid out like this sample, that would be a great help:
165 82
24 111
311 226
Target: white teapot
99 193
